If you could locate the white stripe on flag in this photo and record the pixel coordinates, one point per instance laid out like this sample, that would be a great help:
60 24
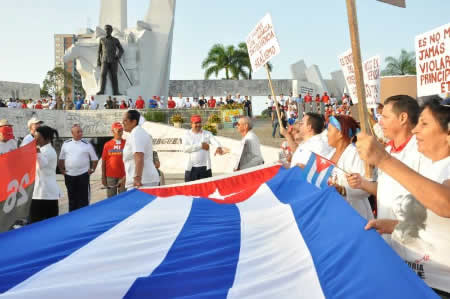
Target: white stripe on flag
105 268
321 176
312 171
273 252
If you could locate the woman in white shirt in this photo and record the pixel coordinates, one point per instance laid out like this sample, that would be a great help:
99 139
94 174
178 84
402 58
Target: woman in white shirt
138 154
46 191
425 249
341 131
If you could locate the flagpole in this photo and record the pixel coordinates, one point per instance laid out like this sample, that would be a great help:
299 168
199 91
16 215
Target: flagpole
357 65
274 96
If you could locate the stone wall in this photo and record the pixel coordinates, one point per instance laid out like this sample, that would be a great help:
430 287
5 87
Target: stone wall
19 90
95 123
191 88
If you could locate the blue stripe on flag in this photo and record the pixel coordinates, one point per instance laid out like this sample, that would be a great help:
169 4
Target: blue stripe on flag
203 259
23 254
339 245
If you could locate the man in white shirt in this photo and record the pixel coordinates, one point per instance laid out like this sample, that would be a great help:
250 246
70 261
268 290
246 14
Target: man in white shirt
33 124
188 103
179 102
12 103
399 117
196 143
310 127
238 99
282 100
270 104
7 141
77 161
93 105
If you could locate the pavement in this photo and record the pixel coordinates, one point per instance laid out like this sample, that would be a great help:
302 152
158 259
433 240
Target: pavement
262 128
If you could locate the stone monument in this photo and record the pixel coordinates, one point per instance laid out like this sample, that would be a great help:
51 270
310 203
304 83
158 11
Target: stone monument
147 51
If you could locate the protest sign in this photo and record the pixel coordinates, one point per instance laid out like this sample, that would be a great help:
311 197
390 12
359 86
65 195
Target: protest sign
16 184
433 61
262 43
371 72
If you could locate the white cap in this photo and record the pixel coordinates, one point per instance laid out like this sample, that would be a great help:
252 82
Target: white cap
34 120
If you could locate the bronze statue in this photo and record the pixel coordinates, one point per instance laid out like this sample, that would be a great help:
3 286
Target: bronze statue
109 53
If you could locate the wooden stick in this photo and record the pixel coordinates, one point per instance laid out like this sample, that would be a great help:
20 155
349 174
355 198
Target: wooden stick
357 65
274 96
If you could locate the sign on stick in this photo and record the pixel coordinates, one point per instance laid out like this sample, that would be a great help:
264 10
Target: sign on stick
262 43
371 72
433 61
399 3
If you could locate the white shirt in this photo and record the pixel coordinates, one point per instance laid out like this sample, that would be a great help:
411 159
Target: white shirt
282 101
270 102
429 254
238 100
139 141
8 146
390 194
179 103
11 104
188 104
195 104
52 105
250 152
352 163
77 156
27 139
315 144
45 185
93 105
192 145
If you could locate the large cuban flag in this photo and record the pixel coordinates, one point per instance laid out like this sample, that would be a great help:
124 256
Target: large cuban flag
264 233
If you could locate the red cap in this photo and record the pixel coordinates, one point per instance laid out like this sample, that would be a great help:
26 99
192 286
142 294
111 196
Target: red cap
117 125
7 132
196 118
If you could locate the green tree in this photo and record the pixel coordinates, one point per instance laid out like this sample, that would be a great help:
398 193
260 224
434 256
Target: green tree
227 58
404 65
243 50
57 82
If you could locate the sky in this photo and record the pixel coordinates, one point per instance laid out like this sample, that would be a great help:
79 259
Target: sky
316 31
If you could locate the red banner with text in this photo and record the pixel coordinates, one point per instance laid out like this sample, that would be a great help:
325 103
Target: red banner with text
18 169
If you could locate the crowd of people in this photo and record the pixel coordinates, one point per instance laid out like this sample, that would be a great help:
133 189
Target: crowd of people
409 180
155 102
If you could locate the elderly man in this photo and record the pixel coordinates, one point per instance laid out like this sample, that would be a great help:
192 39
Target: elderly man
113 168
249 154
77 161
7 141
33 124
196 144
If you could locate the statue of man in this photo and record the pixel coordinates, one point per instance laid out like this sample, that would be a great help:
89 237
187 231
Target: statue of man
109 53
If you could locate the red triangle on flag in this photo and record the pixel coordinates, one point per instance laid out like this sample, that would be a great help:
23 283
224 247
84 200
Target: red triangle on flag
322 163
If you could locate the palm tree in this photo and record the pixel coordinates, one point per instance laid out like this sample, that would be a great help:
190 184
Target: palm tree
229 59
244 52
404 65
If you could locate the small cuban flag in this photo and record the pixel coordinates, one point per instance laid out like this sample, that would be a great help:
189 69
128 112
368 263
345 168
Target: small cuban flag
318 170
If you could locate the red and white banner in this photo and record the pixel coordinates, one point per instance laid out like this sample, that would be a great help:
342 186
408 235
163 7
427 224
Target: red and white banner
371 73
262 43
16 184
433 61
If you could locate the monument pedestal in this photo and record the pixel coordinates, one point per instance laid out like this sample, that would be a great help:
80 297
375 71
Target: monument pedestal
101 99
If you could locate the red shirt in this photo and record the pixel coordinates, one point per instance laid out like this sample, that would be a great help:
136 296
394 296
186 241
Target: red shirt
325 99
112 157
317 99
308 99
38 106
123 106
140 104
24 106
212 103
171 104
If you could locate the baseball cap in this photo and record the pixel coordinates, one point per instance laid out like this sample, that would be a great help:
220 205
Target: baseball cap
4 122
116 125
34 120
